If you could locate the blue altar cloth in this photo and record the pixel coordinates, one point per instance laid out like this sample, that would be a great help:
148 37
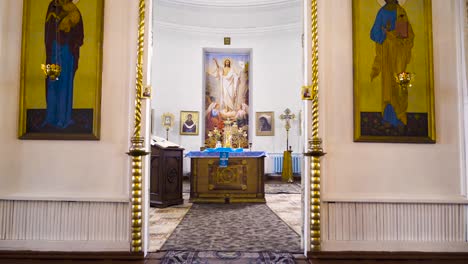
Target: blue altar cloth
230 150
215 154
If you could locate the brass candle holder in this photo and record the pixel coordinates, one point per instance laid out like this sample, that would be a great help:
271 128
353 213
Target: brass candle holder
52 71
216 135
405 79
239 136
231 136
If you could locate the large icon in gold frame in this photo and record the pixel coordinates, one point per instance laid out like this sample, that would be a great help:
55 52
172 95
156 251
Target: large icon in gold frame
62 100
227 90
392 43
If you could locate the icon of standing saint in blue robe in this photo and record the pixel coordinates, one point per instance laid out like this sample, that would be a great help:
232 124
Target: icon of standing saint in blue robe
63 39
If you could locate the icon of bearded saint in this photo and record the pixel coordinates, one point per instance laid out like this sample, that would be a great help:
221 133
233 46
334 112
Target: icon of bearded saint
393 37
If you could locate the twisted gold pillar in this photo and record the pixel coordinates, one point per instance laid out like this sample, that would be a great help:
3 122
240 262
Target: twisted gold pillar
137 148
315 150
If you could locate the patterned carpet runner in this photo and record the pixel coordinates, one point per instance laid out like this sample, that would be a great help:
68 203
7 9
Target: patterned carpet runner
211 257
233 227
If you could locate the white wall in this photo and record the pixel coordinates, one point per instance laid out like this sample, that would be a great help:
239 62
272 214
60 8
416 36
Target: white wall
275 79
382 172
392 197
464 74
70 170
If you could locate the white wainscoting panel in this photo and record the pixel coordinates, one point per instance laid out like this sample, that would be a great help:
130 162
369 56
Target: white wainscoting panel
64 221
391 222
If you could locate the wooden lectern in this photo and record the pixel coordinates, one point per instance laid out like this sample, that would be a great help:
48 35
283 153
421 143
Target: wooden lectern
166 176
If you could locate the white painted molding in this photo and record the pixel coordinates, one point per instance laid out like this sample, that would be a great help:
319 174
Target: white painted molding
404 246
68 246
383 198
226 31
68 198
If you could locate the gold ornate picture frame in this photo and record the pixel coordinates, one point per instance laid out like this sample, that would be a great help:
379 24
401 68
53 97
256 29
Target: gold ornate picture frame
306 93
265 123
221 66
61 101
393 71
189 123
167 120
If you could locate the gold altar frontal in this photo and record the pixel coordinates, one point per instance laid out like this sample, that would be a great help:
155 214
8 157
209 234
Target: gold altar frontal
242 181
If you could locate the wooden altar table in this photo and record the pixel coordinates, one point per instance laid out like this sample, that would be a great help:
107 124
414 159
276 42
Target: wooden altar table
243 180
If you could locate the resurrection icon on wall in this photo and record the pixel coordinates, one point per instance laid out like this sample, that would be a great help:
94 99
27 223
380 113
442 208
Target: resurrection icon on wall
64 38
226 90
390 104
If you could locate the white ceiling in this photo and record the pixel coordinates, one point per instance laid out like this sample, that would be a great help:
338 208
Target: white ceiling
230 3
228 16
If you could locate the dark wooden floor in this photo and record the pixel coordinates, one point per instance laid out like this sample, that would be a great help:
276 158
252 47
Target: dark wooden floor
27 257
93 261
14 257
388 258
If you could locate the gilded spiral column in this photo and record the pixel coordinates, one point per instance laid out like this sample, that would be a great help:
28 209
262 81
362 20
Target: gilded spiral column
315 150
137 148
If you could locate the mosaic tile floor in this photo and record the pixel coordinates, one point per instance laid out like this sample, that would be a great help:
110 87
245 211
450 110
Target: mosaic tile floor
163 221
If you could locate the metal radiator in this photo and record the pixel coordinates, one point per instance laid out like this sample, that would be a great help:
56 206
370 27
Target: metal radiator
277 162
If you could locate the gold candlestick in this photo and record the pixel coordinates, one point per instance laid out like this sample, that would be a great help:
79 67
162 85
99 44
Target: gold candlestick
227 135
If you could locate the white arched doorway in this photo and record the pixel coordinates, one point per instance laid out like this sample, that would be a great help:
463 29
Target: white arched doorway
292 90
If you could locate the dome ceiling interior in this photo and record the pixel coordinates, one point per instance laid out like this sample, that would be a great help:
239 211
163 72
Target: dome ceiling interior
228 14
